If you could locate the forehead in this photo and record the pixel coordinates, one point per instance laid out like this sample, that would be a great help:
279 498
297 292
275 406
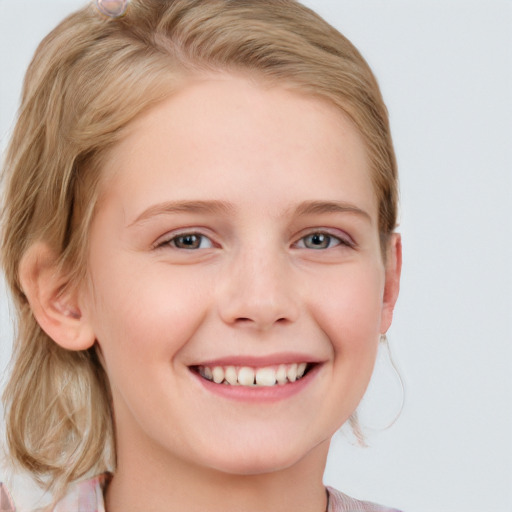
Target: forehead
222 135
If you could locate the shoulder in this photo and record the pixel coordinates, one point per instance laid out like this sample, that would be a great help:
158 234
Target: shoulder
339 502
85 496
6 504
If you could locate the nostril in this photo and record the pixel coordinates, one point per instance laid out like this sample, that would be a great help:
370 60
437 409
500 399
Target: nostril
260 322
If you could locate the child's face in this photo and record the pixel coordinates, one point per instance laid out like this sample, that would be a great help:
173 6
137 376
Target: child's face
237 228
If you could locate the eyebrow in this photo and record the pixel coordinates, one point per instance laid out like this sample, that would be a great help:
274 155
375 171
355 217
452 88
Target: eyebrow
169 207
223 207
321 207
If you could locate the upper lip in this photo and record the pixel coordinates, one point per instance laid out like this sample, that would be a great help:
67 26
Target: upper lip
260 361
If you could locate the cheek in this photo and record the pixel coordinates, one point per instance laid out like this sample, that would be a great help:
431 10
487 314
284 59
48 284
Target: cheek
144 308
349 313
349 308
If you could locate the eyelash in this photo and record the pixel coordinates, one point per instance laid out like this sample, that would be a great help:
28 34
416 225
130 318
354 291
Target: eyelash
172 241
325 237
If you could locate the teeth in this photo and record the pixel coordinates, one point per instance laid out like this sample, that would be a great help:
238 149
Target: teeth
265 377
281 374
247 376
301 368
231 376
218 374
292 373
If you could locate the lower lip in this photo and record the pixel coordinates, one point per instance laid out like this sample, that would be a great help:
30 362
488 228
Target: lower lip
259 393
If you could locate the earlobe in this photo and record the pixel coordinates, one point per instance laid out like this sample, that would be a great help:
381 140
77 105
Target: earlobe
392 284
55 308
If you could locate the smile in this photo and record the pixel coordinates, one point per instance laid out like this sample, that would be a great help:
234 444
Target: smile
265 376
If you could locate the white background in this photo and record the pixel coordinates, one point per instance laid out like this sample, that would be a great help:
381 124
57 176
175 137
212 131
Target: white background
445 68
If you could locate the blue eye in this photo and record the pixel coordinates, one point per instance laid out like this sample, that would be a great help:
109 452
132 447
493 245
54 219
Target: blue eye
190 241
320 241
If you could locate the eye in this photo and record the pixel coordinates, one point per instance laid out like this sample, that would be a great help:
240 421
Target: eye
188 241
320 240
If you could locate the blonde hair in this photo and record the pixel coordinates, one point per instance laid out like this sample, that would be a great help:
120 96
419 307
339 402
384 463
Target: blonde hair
89 78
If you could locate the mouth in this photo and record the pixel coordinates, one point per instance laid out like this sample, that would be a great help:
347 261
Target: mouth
248 376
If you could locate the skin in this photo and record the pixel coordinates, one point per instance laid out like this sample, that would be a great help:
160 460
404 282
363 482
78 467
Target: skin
256 286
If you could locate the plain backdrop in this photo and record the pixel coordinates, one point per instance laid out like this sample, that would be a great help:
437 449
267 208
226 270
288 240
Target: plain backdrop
445 68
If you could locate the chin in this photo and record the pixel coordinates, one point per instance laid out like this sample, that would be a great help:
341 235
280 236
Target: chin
260 460
251 467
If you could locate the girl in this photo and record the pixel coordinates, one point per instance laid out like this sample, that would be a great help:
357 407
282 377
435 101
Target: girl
199 239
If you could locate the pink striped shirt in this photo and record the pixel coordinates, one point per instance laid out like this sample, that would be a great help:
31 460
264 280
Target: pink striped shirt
87 496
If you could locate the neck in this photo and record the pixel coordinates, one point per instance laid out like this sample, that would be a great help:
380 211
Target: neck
153 484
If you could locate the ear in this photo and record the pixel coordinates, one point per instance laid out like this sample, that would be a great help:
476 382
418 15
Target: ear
55 309
392 284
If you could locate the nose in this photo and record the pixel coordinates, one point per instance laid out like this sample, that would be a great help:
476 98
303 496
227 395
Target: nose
257 290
